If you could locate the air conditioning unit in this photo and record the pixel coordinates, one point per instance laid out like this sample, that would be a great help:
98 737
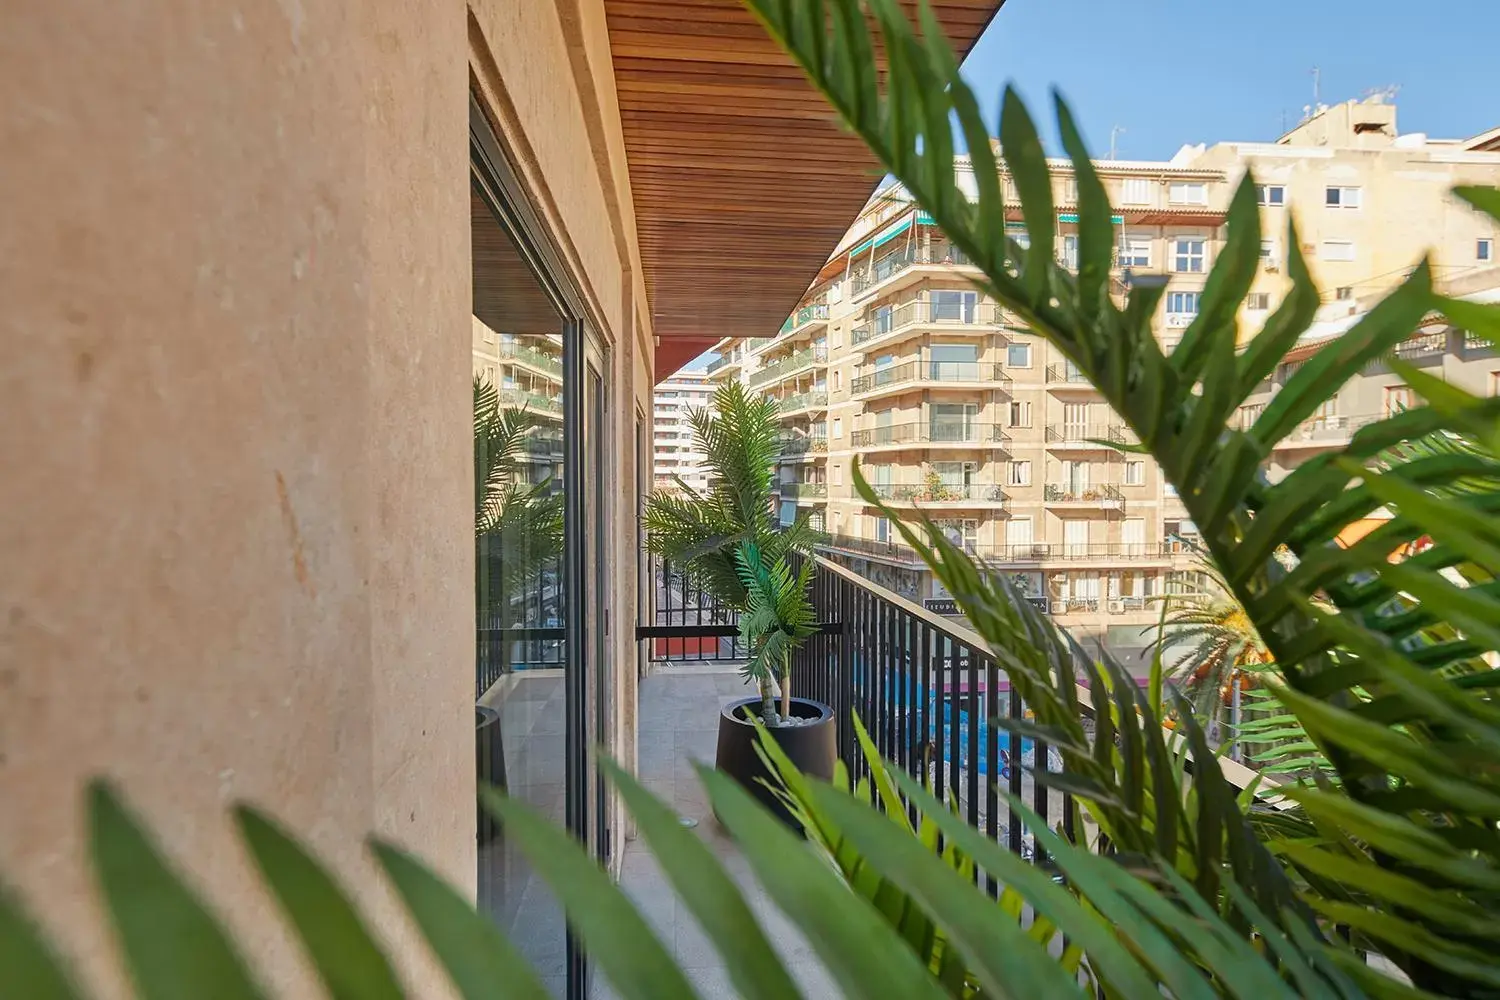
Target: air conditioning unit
1178 321
1117 607
1058 608
1271 265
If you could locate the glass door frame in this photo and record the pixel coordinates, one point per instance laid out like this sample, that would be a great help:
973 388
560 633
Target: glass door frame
494 177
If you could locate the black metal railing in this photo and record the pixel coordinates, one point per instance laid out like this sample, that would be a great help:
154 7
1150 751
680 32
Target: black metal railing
1102 494
958 372
894 263
687 623
522 630
927 691
940 492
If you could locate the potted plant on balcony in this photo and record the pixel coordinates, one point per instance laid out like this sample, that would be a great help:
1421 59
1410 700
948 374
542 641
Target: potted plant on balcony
729 539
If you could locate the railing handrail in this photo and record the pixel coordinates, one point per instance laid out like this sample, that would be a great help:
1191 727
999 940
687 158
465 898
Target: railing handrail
960 635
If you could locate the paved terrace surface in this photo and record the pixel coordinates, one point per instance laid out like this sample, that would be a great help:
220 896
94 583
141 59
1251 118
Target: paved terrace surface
679 712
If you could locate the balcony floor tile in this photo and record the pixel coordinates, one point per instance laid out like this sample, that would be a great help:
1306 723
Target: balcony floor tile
679 708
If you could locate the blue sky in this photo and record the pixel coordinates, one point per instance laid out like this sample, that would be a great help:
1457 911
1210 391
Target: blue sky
1178 71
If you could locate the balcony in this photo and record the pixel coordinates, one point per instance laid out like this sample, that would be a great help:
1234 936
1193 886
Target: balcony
531 358
804 491
933 433
882 271
1065 376
803 444
925 374
792 364
804 319
1102 496
726 364
918 315
815 399
1080 437
886 550
1324 432
937 494
532 402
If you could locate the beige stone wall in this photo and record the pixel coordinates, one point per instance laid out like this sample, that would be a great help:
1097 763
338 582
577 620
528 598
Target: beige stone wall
235 506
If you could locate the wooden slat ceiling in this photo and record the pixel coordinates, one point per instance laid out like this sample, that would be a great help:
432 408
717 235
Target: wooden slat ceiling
743 180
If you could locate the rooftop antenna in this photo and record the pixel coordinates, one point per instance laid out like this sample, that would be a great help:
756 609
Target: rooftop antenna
1115 130
1317 76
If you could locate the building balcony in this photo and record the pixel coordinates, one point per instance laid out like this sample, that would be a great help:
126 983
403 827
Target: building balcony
1324 432
532 402
1087 437
1101 553
803 444
1102 496
934 433
918 316
1066 377
531 358
792 365
909 375
886 550
802 402
804 491
726 364
898 269
941 494
804 321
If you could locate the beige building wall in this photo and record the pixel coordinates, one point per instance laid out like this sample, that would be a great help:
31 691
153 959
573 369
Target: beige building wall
1171 224
236 513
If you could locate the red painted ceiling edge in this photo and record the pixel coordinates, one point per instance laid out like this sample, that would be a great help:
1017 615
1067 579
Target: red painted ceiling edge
674 352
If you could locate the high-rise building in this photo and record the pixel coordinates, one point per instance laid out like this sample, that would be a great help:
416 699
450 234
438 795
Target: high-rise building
950 404
527 373
674 452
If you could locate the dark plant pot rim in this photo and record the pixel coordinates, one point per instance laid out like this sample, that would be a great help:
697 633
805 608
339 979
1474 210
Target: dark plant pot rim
731 711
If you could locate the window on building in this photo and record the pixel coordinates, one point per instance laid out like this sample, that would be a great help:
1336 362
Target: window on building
1271 195
1484 250
838 381
1020 414
1018 355
1070 190
1258 301
1188 255
1343 197
1268 252
838 427
1135 473
1020 473
1336 250
1187 193
1495 383
1344 293
1135 251
837 474
1182 303
1021 236
1398 398
1070 252
1135 191
1010 190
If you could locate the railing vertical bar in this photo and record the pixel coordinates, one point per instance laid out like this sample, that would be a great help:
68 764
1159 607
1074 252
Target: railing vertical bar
976 720
894 653
1040 798
909 716
846 672
924 703
1015 710
875 721
949 664
991 758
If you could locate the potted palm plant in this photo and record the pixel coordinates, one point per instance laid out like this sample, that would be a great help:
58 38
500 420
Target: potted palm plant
730 540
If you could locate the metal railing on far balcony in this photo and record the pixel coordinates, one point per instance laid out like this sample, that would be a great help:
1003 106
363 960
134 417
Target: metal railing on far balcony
1066 374
790 365
1082 434
986 373
894 263
807 314
801 444
804 400
923 312
1101 494
940 492
804 491
931 432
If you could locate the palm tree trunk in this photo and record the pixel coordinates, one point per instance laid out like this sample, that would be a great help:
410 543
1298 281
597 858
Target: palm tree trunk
767 702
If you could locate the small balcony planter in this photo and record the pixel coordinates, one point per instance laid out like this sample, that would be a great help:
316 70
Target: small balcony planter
812 746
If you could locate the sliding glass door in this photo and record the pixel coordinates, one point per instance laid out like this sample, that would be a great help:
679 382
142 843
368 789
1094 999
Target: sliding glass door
542 465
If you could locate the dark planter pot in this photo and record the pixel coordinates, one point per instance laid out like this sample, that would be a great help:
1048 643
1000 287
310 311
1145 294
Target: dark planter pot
813 748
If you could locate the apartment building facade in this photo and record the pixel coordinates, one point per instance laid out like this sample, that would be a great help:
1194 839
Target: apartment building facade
674 454
951 405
